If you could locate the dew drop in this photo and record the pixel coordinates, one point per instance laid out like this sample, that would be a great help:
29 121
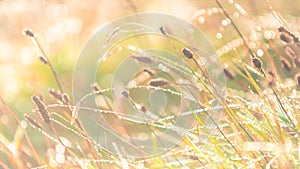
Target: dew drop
23 124
201 20
138 106
60 149
131 47
258 28
209 12
214 10
260 52
200 12
224 22
60 158
219 35
236 14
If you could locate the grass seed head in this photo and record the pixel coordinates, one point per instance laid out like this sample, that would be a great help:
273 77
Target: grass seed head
32 121
149 71
125 93
95 88
41 108
65 98
159 82
141 59
193 157
144 108
271 78
286 37
162 30
290 34
285 64
187 53
43 60
281 29
257 63
228 73
55 94
290 52
28 32
296 62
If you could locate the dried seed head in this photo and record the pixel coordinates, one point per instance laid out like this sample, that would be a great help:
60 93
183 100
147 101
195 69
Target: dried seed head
271 78
193 157
28 32
257 63
141 58
149 71
125 93
55 94
187 53
43 60
41 97
41 108
281 29
159 82
65 98
290 52
294 38
37 102
95 88
162 30
32 121
143 108
297 62
297 79
286 64
228 73
285 37
271 73
258 115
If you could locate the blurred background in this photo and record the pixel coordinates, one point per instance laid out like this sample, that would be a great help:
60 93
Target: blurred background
63 28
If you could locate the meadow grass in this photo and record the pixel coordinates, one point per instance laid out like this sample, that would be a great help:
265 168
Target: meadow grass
259 127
